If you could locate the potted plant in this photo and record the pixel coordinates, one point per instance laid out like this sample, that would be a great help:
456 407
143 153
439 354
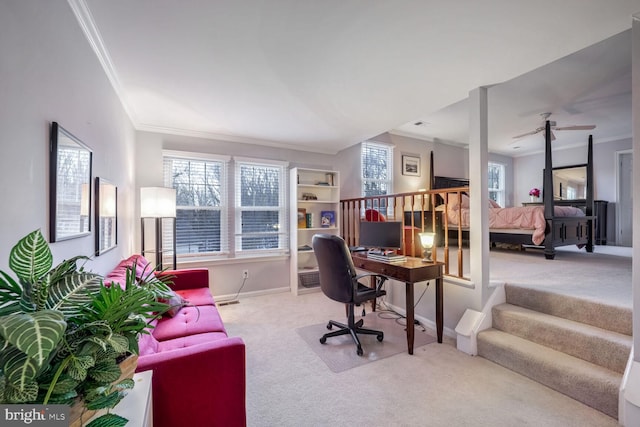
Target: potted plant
63 331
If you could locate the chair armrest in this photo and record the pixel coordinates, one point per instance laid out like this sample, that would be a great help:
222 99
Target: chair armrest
193 384
187 278
380 279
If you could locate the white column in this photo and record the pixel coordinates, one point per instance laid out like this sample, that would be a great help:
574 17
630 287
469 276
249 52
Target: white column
630 406
479 221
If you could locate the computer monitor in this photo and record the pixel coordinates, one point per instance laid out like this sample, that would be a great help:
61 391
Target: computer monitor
381 234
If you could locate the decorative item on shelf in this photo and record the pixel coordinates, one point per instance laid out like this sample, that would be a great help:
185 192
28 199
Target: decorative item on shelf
327 219
309 196
302 218
158 203
309 220
427 240
329 178
63 343
534 193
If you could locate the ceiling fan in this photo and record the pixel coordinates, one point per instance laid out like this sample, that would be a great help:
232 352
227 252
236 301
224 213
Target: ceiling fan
545 117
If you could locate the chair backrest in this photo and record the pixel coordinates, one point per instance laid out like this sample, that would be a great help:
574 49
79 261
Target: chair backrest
336 267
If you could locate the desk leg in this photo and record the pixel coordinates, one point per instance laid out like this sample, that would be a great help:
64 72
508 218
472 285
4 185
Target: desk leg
439 311
410 316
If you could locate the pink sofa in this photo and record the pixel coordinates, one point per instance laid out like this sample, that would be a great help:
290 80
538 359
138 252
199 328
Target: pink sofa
198 371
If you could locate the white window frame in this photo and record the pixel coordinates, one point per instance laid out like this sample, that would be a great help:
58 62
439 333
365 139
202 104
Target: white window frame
224 202
389 181
283 232
500 191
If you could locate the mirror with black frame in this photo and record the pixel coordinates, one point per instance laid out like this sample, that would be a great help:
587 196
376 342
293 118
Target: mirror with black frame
570 182
69 186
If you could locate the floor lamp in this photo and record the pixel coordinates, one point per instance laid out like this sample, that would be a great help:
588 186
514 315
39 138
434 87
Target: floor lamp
158 204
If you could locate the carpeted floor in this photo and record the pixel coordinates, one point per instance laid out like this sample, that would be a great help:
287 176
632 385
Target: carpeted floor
289 385
339 353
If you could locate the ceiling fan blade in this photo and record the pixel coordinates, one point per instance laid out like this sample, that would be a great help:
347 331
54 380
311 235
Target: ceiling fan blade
533 132
578 127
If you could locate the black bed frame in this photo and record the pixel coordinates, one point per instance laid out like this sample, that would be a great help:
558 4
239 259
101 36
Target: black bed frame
559 231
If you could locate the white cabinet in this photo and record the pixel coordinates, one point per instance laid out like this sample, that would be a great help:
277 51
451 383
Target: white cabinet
315 208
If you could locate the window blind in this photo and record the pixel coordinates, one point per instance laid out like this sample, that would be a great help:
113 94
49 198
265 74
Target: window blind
201 204
260 213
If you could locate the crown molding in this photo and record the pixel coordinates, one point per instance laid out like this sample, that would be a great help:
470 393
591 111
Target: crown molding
87 24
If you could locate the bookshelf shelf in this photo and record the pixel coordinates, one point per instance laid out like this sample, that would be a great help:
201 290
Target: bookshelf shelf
312 203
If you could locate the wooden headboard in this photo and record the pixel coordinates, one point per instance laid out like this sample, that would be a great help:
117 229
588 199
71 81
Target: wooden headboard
448 182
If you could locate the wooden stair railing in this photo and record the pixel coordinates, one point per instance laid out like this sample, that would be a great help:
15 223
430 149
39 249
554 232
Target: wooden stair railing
416 212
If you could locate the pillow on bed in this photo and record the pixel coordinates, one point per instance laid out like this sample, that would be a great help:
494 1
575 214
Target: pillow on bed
493 204
453 202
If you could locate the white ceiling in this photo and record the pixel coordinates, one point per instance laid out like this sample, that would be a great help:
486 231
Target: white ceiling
324 75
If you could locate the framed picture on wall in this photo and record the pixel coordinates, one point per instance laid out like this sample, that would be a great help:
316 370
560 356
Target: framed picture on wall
410 165
69 186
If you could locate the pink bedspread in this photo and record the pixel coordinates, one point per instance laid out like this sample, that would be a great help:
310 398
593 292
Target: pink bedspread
522 218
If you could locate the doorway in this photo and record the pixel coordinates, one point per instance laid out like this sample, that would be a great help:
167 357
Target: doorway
624 217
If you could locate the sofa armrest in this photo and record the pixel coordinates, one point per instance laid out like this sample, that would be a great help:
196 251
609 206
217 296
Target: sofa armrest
199 385
187 278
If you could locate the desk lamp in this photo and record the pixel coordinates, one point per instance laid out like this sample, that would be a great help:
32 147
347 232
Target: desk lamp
427 240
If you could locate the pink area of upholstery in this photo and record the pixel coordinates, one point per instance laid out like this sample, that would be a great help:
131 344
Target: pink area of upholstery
189 321
199 375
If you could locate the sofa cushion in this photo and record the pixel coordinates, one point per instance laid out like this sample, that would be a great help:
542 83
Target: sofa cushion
197 296
189 321
190 340
119 273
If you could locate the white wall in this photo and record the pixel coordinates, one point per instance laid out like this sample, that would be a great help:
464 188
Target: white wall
266 274
49 73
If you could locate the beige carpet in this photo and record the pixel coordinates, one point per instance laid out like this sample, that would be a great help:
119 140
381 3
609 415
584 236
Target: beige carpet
339 353
439 386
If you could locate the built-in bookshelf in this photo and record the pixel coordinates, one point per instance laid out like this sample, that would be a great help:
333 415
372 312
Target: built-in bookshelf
315 208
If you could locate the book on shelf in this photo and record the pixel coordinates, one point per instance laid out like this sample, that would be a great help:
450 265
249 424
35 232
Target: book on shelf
309 220
327 219
302 218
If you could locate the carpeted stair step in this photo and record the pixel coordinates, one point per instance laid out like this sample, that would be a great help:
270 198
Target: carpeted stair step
590 384
596 345
617 319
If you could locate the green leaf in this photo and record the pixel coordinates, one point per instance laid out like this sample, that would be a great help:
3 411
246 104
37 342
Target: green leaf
108 420
119 343
125 384
70 293
19 369
10 292
78 367
105 371
36 334
105 401
31 257
28 393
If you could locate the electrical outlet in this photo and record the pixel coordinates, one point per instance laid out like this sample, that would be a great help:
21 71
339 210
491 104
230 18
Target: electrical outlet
245 274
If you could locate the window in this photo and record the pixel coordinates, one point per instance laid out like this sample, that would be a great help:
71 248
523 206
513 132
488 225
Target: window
201 203
377 171
496 183
252 222
261 214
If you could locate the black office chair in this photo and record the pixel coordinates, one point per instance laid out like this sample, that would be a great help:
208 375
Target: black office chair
339 281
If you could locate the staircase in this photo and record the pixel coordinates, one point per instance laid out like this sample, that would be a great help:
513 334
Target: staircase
574 346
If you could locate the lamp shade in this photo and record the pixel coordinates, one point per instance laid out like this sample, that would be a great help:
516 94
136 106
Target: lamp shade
426 240
157 202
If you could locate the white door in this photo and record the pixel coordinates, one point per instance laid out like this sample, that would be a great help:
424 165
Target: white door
625 199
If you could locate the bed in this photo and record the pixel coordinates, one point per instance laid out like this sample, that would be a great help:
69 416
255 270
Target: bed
554 223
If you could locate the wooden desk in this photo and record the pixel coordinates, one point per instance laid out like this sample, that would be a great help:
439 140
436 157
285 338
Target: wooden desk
412 271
